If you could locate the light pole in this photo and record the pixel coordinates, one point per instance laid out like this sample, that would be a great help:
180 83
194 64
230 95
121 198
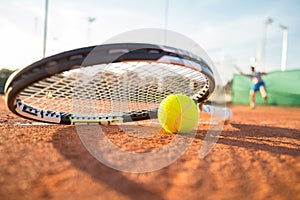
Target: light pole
45 28
166 21
284 47
264 41
90 21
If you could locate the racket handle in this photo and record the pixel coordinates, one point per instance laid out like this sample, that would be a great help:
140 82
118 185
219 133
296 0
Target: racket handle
222 114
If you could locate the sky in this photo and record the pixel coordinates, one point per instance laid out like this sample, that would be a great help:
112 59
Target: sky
230 31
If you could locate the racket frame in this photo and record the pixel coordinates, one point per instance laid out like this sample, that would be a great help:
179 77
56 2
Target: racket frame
108 53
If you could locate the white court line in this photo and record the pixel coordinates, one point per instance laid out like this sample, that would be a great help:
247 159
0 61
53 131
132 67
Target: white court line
32 124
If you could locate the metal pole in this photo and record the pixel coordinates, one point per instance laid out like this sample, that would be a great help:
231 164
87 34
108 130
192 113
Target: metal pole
166 20
284 47
45 28
264 41
90 21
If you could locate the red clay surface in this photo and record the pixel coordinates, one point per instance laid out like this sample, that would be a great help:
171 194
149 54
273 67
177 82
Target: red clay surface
256 157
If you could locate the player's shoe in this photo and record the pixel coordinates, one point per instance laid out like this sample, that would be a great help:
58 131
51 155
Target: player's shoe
252 106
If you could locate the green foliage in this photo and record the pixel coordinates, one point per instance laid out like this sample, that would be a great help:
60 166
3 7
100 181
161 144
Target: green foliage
4 74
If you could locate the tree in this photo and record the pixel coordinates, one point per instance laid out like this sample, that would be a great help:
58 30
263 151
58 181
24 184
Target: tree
4 74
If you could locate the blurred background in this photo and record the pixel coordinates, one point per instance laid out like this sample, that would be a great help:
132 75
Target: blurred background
239 33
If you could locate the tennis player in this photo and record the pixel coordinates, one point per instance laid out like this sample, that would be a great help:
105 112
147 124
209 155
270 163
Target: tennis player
258 85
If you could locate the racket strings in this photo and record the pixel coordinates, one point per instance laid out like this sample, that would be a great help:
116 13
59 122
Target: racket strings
113 88
53 93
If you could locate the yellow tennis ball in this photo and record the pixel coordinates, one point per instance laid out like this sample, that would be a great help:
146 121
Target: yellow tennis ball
178 113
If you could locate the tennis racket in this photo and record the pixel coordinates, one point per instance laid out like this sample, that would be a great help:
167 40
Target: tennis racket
111 83
238 69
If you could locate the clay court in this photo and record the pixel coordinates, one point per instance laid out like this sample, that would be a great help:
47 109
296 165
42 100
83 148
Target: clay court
256 157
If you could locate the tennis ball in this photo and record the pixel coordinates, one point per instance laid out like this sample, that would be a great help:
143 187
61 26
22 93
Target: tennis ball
178 113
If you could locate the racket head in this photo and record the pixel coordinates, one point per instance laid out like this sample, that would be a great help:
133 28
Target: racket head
28 92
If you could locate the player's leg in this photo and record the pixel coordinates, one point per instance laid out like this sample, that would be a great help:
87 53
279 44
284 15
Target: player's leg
253 91
263 92
252 98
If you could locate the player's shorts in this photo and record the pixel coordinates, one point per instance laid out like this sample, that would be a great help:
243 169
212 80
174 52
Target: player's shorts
256 86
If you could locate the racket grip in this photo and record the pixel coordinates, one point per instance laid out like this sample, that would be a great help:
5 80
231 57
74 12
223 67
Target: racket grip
222 114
